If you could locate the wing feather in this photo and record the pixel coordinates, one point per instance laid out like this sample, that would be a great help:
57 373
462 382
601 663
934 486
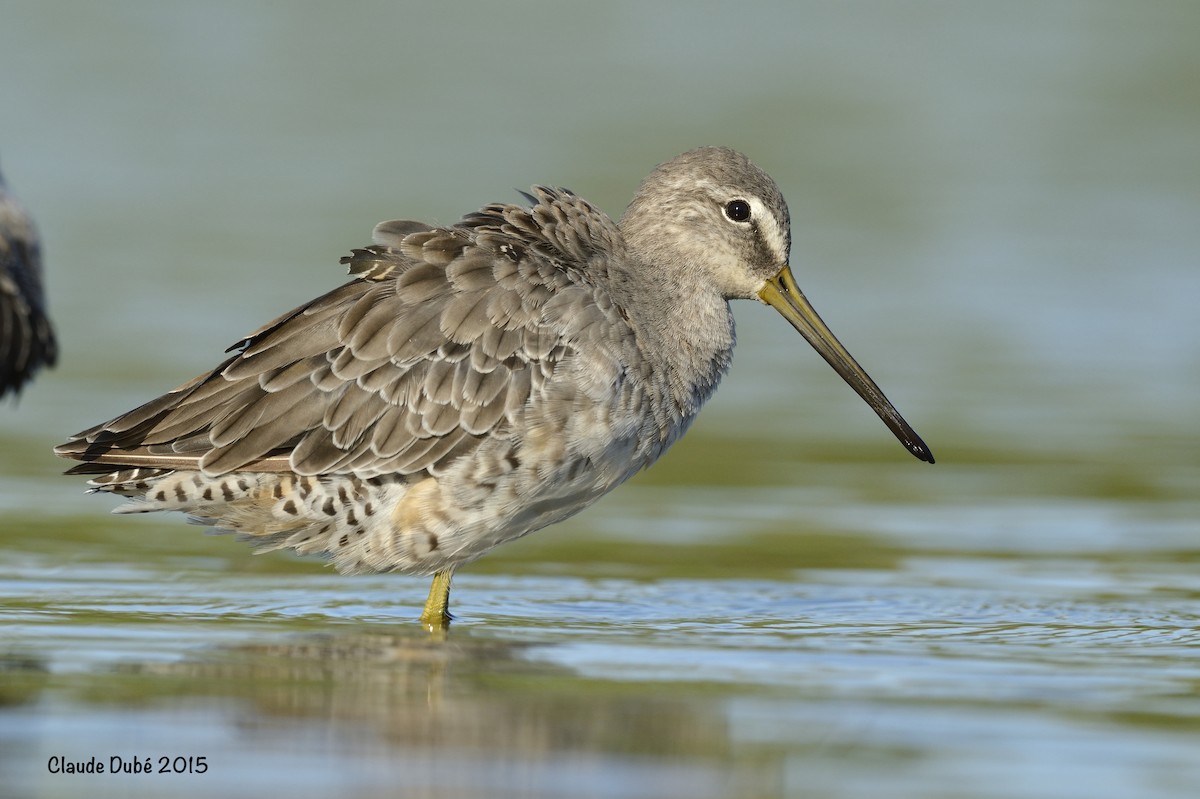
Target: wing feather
437 344
416 334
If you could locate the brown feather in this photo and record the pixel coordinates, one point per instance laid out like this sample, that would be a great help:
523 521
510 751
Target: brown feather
433 346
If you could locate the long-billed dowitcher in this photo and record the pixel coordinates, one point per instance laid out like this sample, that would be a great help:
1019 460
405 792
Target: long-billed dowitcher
27 340
476 382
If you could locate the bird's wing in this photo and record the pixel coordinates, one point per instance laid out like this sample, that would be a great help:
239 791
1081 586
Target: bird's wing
438 342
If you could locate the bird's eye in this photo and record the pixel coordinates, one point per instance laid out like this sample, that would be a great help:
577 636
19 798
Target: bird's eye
737 210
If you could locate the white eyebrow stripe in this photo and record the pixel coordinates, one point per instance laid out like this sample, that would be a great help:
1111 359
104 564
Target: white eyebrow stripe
768 226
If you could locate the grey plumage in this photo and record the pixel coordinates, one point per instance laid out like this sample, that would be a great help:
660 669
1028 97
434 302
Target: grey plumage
27 341
471 383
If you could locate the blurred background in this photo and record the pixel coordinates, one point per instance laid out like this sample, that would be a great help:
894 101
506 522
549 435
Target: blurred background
994 207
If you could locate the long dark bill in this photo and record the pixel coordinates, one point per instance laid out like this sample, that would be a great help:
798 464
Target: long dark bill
782 294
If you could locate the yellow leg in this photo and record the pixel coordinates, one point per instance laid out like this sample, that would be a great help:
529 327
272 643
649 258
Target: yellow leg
436 615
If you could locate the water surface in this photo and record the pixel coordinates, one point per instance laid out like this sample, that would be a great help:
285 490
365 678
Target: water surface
994 207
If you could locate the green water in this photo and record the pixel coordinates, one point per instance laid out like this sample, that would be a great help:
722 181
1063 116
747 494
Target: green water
994 207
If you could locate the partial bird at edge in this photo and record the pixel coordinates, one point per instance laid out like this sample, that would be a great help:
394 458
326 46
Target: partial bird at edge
27 340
